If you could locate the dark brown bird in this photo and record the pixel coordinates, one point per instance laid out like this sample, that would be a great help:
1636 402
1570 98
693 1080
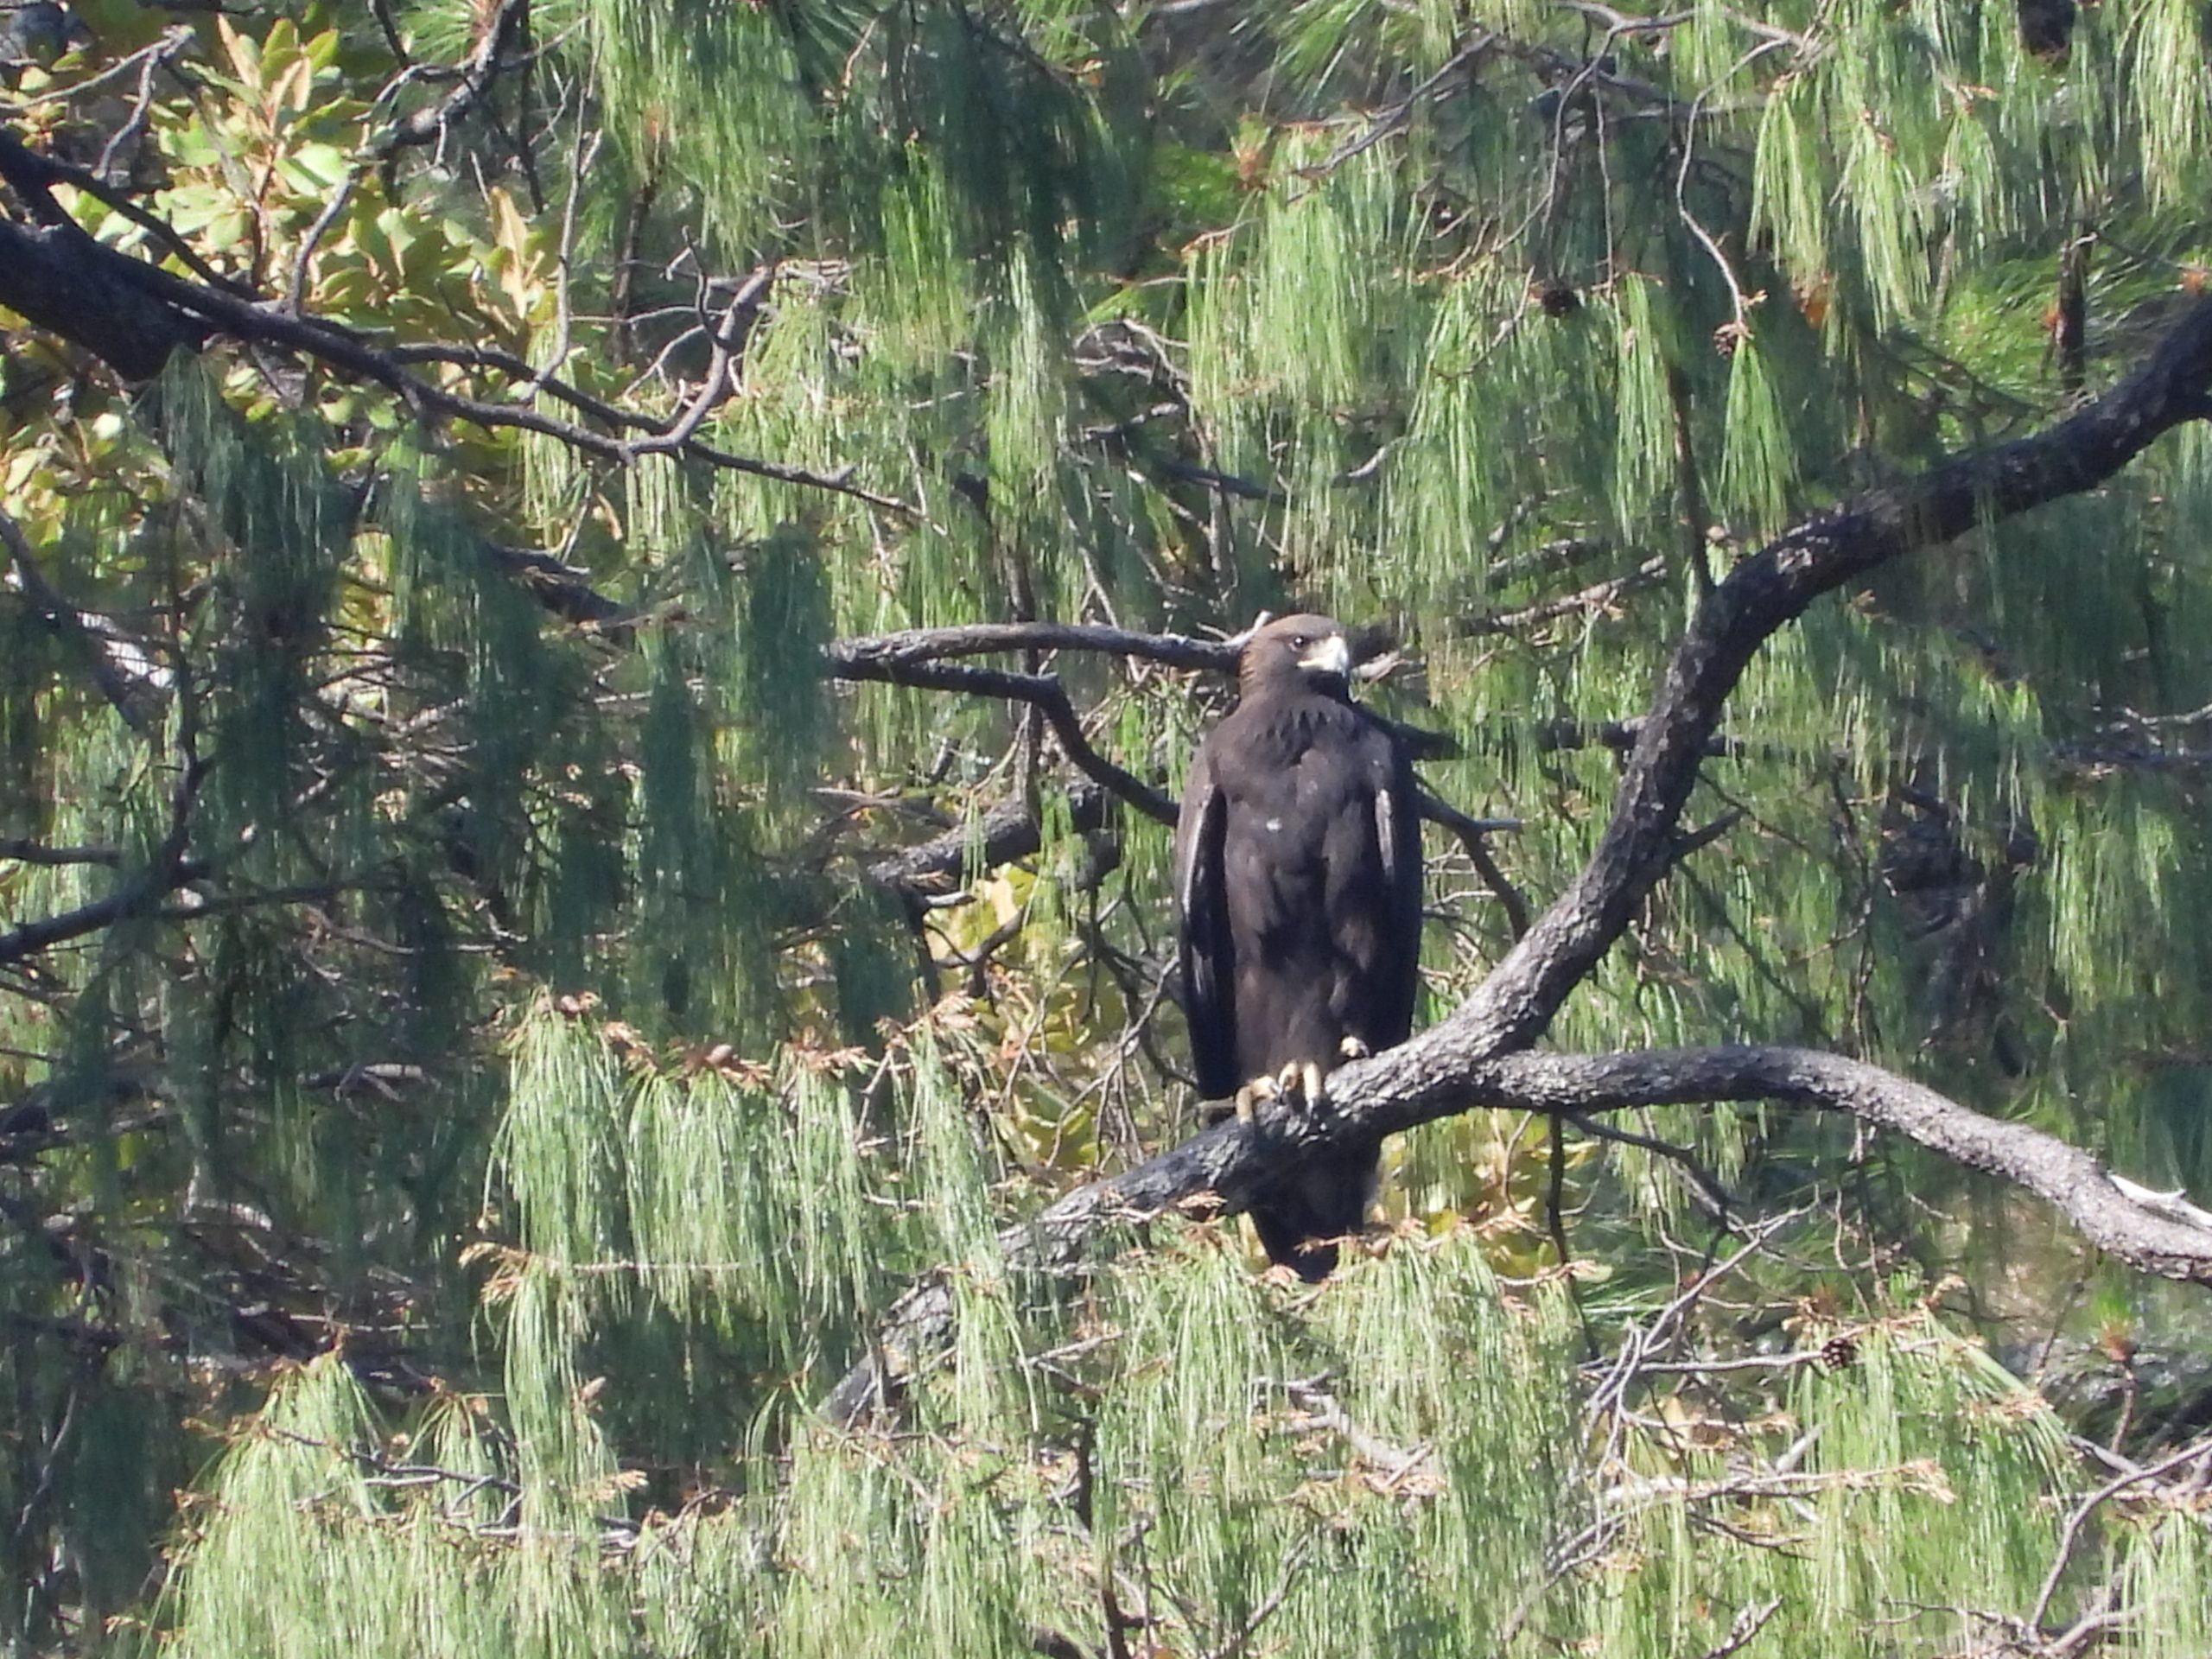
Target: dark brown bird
1298 879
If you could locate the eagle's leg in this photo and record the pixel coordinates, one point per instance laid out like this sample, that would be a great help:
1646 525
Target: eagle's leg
1249 1096
1353 1049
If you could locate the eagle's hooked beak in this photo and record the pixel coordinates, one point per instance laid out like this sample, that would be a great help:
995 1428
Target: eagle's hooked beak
1329 655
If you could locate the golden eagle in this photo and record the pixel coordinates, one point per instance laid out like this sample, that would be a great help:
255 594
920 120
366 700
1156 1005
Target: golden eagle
1298 881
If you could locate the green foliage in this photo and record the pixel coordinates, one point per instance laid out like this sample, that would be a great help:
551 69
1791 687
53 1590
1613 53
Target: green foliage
1234 1438
463 1174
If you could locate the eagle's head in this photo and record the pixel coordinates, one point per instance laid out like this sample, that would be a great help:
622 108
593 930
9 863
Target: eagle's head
1291 649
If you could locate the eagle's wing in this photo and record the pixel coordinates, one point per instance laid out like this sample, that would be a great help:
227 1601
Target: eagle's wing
1397 833
1209 957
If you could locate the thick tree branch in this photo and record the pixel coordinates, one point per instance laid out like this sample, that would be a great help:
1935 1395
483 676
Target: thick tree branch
1762 594
48 276
1219 1170
134 897
25 167
32 852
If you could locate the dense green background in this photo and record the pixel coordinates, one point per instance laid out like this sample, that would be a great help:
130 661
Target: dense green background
427 1228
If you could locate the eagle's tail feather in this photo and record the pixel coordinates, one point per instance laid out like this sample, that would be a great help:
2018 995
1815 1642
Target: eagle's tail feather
1299 1217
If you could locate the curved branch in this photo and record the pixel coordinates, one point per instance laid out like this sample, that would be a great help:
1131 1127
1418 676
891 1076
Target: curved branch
916 657
875 657
1472 833
34 174
1219 1170
1048 695
1764 594
166 870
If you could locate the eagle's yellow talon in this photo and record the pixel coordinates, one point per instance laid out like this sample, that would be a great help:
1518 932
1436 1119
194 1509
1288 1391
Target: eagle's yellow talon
1352 1049
1317 1085
1249 1096
1301 1081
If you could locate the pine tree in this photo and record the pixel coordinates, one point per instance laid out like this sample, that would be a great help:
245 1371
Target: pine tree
603 602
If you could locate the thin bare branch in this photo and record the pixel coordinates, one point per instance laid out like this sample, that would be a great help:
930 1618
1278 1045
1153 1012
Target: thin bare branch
875 657
503 29
135 315
2070 1534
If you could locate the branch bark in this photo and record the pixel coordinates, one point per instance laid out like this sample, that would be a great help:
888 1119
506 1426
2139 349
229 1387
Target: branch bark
1402 1089
1004 834
1762 594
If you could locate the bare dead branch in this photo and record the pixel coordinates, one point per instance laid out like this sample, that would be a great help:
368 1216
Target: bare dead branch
875 657
728 338
1706 1187
504 29
916 657
1599 596
1001 835
46 275
1472 833
177 38
2070 1534
1045 692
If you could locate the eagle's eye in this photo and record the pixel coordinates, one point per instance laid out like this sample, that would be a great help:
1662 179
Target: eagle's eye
1299 642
